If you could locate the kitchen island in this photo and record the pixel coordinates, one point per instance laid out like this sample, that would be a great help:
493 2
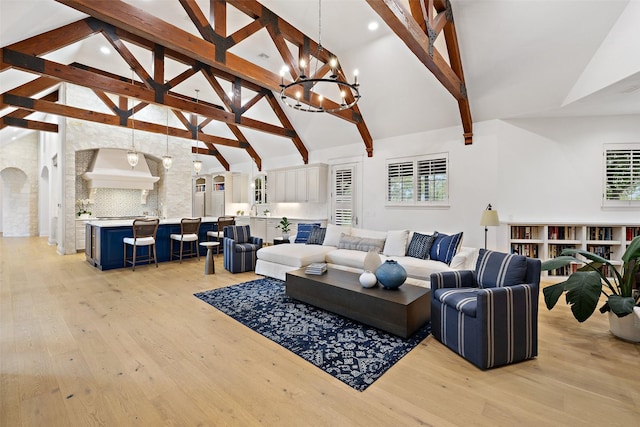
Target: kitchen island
104 248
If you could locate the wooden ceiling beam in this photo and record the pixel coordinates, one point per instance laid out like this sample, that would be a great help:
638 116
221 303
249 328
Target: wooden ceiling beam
122 87
409 27
146 25
17 118
14 121
53 40
32 88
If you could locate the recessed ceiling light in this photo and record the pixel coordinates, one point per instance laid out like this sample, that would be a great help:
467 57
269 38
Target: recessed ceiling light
373 26
105 50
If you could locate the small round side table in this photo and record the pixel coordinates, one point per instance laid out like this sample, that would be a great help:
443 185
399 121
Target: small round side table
209 265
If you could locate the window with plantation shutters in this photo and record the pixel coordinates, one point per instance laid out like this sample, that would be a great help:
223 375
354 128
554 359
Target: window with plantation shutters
343 196
622 175
419 180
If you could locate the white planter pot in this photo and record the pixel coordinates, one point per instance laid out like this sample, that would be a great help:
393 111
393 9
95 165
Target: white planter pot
627 327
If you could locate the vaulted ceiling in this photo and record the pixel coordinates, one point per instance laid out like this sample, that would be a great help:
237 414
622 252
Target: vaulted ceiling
520 58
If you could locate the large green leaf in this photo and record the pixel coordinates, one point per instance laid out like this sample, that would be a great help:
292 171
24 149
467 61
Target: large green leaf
633 250
621 305
586 254
583 291
558 262
552 294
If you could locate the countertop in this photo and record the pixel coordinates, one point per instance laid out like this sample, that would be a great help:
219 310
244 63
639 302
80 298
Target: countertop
278 217
129 222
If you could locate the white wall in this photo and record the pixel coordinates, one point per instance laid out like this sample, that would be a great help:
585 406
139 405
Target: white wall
545 170
19 179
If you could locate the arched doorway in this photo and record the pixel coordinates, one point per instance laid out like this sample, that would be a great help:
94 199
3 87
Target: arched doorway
15 192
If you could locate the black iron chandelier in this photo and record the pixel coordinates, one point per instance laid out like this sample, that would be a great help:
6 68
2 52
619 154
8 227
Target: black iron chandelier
349 93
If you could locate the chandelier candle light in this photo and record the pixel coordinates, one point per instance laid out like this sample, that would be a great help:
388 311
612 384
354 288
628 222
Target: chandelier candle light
197 163
302 85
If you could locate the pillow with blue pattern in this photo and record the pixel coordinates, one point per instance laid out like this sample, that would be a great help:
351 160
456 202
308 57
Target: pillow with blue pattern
420 245
316 237
445 247
303 232
497 269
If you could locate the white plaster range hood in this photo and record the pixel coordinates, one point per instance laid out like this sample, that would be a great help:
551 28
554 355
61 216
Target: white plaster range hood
110 169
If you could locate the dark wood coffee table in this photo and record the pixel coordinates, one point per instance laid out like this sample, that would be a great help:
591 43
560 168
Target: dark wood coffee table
400 312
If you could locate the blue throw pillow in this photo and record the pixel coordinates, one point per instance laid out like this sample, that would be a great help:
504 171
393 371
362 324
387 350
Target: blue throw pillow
316 237
303 232
420 245
445 247
497 269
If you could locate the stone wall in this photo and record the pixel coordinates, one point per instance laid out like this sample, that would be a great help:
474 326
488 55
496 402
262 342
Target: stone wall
19 180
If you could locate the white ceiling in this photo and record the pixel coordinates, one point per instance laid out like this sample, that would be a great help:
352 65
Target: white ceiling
521 58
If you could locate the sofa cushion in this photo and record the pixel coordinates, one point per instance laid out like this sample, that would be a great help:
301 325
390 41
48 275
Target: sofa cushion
396 243
303 232
347 258
462 299
445 247
420 245
421 268
332 235
294 255
316 237
497 269
360 243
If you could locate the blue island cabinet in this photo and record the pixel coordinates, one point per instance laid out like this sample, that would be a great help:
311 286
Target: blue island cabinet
105 249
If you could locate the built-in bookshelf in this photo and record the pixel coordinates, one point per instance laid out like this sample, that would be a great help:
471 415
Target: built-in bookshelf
546 241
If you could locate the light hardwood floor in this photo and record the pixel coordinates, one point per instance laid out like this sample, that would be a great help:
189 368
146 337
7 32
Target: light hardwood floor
80 347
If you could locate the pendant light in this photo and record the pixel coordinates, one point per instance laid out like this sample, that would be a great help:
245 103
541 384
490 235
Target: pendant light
167 160
197 163
132 154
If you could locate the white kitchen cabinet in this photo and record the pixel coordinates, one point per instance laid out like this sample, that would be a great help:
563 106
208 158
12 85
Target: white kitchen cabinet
299 185
239 188
280 186
81 232
290 186
259 227
243 220
316 183
272 231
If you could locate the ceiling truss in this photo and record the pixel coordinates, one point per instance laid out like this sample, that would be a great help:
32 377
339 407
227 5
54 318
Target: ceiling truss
120 22
419 28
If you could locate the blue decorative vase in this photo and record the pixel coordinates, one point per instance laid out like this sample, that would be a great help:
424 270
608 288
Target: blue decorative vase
391 275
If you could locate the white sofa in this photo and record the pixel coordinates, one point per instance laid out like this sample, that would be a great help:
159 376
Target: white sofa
275 261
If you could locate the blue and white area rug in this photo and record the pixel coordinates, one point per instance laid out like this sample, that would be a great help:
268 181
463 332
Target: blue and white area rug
354 353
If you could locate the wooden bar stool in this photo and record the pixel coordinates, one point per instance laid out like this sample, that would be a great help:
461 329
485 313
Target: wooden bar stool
189 228
144 234
217 234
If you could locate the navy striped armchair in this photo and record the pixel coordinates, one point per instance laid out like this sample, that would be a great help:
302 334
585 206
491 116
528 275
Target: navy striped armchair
488 316
240 248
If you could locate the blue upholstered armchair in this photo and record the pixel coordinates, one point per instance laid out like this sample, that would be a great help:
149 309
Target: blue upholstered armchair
240 248
488 316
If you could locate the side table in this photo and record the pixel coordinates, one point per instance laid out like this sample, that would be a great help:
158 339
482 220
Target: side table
209 265
279 241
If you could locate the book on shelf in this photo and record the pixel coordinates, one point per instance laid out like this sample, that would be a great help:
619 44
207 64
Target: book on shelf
316 268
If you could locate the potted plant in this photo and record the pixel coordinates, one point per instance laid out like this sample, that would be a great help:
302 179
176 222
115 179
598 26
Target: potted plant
285 226
584 287
83 208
